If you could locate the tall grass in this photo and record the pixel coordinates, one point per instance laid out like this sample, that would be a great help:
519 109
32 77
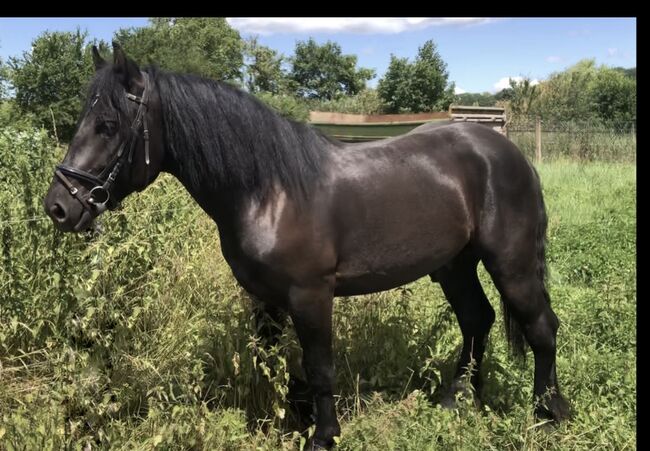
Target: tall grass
140 338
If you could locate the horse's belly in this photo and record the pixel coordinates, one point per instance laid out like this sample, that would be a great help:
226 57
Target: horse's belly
364 276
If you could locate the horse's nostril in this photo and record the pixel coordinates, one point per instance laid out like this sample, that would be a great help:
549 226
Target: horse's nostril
58 212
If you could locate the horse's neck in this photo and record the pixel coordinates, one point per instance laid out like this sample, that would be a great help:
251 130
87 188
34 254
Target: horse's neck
220 206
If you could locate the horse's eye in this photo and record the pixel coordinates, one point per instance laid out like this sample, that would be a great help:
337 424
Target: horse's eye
107 128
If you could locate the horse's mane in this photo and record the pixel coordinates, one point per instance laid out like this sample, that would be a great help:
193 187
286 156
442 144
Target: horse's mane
222 135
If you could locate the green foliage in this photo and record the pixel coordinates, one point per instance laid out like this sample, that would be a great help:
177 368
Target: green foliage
614 96
4 79
565 95
323 72
365 102
12 115
522 96
76 311
475 99
419 86
50 80
206 46
264 72
630 72
394 87
287 105
585 92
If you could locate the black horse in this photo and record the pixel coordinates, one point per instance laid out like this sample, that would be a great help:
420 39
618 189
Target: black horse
303 218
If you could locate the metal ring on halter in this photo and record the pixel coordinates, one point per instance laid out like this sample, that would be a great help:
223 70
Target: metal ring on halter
103 194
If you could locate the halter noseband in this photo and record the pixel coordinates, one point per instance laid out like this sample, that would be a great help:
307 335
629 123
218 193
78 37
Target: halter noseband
100 195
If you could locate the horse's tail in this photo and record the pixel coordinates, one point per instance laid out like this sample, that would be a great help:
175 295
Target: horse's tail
514 333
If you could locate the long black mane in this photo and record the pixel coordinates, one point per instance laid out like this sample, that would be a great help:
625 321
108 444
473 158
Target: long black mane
221 138
220 135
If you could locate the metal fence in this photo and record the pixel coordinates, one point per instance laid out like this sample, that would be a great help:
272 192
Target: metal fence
548 140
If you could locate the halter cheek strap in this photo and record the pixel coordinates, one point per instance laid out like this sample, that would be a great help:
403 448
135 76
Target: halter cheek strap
99 197
72 189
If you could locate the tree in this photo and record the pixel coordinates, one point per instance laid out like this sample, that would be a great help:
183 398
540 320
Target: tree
323 72
365 102
614 96
286 105
566 95
395 87
631 72
476 99
4 79
586 92
504 95
264 72
206 46
522 96
50 80
418 86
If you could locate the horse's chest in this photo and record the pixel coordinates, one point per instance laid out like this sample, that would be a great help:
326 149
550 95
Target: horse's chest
260 228
257 279
250 258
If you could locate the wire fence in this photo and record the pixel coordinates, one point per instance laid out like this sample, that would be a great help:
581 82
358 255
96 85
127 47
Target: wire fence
545 140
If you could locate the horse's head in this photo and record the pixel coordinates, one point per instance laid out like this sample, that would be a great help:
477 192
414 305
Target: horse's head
116 149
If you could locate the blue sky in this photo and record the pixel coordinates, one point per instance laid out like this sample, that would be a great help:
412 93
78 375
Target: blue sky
481 54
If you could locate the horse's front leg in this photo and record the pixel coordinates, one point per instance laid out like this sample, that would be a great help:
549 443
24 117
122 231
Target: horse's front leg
269 322
311 312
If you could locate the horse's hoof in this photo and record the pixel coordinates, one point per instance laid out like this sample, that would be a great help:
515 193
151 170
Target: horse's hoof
315 444
556 409
450 399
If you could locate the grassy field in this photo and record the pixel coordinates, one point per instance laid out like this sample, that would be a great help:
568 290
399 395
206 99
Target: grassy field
140 338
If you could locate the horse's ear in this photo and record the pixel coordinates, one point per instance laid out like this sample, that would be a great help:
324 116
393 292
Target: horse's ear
98 61
125 67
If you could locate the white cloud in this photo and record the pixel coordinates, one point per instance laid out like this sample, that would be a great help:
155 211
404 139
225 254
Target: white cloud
580 32
617 53
458 90
554 59
360 25
504 83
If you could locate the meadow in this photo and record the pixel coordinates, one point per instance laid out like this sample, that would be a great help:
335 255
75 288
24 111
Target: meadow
139 338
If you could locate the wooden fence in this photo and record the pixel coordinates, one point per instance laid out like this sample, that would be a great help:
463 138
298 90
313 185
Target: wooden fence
361 127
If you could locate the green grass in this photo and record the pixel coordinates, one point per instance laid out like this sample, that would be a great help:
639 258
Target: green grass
141 339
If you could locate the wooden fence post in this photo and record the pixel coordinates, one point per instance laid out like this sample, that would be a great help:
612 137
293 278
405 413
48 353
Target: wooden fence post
538 140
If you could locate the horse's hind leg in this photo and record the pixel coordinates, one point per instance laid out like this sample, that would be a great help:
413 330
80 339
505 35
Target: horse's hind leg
460 283
528 311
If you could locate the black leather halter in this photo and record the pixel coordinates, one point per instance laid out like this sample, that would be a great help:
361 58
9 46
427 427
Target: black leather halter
99 198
